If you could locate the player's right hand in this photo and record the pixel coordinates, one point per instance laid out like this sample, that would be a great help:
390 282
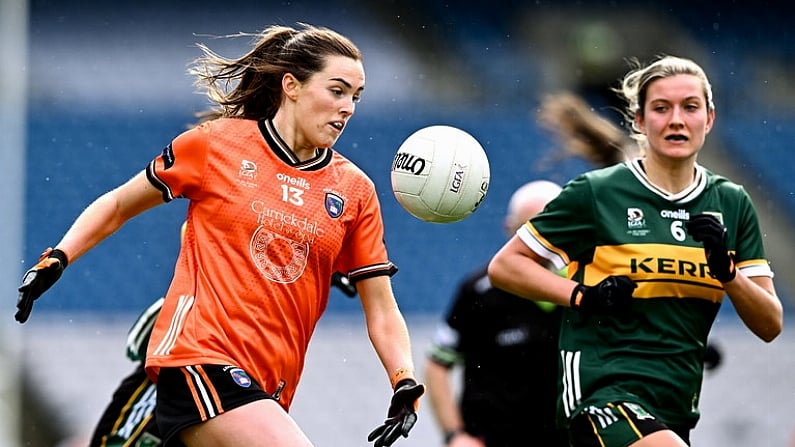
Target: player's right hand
38 279
613 294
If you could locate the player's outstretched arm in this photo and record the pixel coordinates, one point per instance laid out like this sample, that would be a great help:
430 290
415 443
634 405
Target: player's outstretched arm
390 338
99 220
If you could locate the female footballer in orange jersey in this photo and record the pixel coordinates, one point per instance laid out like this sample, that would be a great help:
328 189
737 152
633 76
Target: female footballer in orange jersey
274 211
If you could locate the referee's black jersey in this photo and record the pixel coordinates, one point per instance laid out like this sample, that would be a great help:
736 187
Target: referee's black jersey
508 347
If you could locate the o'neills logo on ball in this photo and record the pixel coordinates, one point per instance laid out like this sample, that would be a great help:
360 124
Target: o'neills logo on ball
408 163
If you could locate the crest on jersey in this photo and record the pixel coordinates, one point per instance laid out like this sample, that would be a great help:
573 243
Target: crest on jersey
240 377
635 218
247 169
639 411
717 215
278 257
334 205
634 215
636 222
247 174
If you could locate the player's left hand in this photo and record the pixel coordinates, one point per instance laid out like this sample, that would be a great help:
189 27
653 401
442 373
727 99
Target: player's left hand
402 414
342 282
38 279
707 229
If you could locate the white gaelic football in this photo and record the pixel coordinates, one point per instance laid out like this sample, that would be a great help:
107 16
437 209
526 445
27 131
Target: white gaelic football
440 174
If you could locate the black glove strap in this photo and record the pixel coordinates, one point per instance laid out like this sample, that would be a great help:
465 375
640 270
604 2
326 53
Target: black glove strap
405 382
60 256
576 296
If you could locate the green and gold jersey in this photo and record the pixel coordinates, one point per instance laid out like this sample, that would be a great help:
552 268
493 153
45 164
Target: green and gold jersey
614 221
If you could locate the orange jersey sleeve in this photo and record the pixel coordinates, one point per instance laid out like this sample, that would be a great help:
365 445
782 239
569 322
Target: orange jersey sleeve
264 234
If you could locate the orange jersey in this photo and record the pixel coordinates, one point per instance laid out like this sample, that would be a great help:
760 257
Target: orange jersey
264 234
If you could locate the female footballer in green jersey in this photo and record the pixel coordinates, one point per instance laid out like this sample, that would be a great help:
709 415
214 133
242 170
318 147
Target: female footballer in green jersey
653 246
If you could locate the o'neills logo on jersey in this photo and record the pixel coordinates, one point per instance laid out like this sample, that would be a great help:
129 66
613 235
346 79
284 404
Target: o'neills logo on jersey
408 163
298 182
675 214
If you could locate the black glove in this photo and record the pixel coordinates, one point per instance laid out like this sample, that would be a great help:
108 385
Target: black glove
712 357
342 282
402 414
612 294
707 229
38 279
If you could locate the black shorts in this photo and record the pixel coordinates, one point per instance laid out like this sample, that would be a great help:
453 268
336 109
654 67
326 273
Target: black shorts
617 424
129 417
190 395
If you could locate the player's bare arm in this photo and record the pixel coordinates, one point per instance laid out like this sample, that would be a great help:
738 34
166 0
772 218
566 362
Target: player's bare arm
519 270
385 325
107 214
757 304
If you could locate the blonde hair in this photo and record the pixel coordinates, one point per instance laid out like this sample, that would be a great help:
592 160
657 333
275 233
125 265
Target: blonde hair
251 86
635 85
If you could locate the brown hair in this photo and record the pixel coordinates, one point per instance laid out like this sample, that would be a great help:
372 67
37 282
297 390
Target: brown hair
251 85
582 132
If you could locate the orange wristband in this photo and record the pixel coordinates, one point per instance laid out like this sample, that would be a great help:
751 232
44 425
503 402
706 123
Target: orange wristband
400 374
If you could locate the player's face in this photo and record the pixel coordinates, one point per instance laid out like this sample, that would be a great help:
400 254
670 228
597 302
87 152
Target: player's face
326 101
675 118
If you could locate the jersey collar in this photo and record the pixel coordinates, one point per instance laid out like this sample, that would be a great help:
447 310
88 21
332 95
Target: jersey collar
321 159
684 196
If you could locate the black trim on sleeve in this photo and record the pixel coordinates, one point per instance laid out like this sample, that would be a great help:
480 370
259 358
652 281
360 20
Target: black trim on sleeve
371 271
158 183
